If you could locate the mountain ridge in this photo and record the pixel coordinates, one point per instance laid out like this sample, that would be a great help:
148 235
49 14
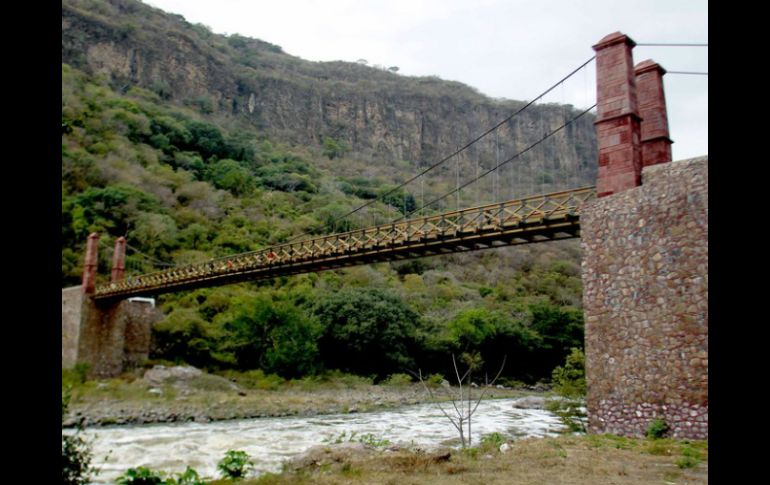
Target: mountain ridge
194 145
381 115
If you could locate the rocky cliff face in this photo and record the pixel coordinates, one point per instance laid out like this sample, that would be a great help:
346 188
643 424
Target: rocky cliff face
379 114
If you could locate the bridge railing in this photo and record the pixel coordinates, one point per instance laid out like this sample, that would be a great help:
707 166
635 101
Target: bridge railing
456 225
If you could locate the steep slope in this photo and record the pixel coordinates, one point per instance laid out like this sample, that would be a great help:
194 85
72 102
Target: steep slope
195 145
379 114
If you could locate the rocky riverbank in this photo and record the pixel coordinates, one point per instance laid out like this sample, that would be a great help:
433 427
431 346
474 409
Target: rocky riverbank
179 394
573 459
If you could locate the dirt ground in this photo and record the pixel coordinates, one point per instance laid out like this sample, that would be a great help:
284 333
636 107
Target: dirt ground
566 460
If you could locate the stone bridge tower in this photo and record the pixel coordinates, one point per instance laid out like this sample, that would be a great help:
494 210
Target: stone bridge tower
109 337
645 260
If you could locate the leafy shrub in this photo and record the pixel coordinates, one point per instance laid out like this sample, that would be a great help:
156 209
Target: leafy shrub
66 395
657 428
338 378
80 372
570 380
687 462
348 470
570 412
570 383
470 452
75 460
204 104
434 380
183 335
485 291
334 148
690 457
206 139
256 379
235 464
340 438
75 452
492 440
111 209
512 383
403 201
491 333
140 476
368 439
230 175
361 323
274 336
373 440
144 476
289 182
561 329
188 477
162 89
398 380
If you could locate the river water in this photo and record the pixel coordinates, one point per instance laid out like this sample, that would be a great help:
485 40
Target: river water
270 441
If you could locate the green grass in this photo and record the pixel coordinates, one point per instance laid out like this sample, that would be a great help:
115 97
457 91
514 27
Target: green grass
255 379
612 441
397 380
687 462
577 460
692 454
659 448
492 441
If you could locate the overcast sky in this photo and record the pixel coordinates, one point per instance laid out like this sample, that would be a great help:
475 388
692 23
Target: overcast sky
511 49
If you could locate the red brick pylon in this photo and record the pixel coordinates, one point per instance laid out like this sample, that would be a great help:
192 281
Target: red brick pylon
618 120
89 268
119 260
656 144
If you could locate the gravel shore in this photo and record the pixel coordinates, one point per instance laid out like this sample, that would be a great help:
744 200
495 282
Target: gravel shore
203 397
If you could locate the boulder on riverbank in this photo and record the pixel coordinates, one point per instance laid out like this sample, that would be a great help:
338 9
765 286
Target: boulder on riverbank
530 402
159 374
187 377
325 455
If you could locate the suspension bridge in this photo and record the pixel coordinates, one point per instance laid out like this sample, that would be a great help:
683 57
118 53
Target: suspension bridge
423 231
546 216
534 219
643 230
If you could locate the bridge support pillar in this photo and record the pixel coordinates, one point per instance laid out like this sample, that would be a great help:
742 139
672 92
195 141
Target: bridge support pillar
89 268
656 145
109 337
119 260
618 120
100 343
645 300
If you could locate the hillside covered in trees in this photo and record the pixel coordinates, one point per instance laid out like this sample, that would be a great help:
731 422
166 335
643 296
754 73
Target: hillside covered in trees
195 145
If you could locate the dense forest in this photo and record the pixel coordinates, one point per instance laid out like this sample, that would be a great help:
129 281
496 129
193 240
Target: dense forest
186 176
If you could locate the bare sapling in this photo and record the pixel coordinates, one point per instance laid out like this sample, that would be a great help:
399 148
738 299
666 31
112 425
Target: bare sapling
461 418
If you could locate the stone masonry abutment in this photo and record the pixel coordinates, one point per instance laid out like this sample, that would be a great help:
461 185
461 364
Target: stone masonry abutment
645 260
645 298
110 336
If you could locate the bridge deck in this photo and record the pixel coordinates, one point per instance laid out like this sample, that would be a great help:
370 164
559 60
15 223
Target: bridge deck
534 219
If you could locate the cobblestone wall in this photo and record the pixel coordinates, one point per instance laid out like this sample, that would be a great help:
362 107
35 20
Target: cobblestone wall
139 319
109 338
645 297
71 301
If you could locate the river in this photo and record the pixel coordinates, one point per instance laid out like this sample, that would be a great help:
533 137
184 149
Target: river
270 441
